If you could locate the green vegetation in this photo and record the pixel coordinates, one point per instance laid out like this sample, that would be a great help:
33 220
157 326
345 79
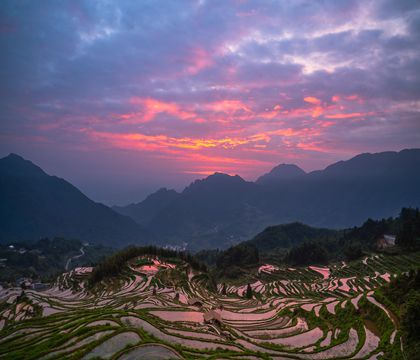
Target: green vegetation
231 261
45 259
115 264
248 293
143 262
403 294
310 316
300 244
410 324
286 236
307 253
356 308
409 231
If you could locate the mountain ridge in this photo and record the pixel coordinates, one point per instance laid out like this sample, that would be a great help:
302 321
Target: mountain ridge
143 211
281 172
35 205
217 211
221 210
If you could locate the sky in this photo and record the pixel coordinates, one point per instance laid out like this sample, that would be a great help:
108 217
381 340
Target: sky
124 97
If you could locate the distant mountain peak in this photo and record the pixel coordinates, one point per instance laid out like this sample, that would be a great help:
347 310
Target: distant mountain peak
144 211
281 172
16 164
215 181
374 164
218 177
14 156
163 190
221 175
161 193
34 205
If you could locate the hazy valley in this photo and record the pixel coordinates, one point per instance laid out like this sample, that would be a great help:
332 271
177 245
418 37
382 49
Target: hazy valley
247 288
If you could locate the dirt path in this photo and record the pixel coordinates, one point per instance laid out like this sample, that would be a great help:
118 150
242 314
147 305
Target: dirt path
82 252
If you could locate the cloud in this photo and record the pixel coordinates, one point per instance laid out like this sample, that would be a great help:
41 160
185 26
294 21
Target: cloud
312 100
259 83
152 107
345 116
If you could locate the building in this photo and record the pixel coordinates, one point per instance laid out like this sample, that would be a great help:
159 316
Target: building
212 317
195 301
386 241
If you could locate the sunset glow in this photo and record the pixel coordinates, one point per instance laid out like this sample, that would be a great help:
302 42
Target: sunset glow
185 89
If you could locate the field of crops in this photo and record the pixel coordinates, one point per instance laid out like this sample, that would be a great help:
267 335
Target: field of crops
164 310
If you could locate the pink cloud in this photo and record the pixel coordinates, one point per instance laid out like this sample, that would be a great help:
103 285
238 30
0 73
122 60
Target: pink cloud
150 108
227 106
198 60
345 116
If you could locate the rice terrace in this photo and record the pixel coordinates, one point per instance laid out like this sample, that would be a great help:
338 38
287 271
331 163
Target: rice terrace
163 307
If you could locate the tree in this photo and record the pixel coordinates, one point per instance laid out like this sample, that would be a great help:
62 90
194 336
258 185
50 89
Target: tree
115 264
239 255
307 253
353 251
410 324
249 292
409 234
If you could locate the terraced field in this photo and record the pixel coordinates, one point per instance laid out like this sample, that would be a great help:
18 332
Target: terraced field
165 310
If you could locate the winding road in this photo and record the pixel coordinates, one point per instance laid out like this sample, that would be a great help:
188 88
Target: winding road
82 252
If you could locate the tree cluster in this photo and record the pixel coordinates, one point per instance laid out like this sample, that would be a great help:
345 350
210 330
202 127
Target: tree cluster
115 264
307 253
239 255
404 292
36 259
409 231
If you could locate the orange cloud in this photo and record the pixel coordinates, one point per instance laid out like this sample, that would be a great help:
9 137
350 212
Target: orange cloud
345 116
318 111
312 100
141 141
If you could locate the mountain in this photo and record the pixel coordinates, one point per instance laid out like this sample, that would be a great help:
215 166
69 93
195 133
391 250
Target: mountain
281 172
215 211
297 243
143 212
45 258
222 210
346 193
288 235
272 246
34 204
